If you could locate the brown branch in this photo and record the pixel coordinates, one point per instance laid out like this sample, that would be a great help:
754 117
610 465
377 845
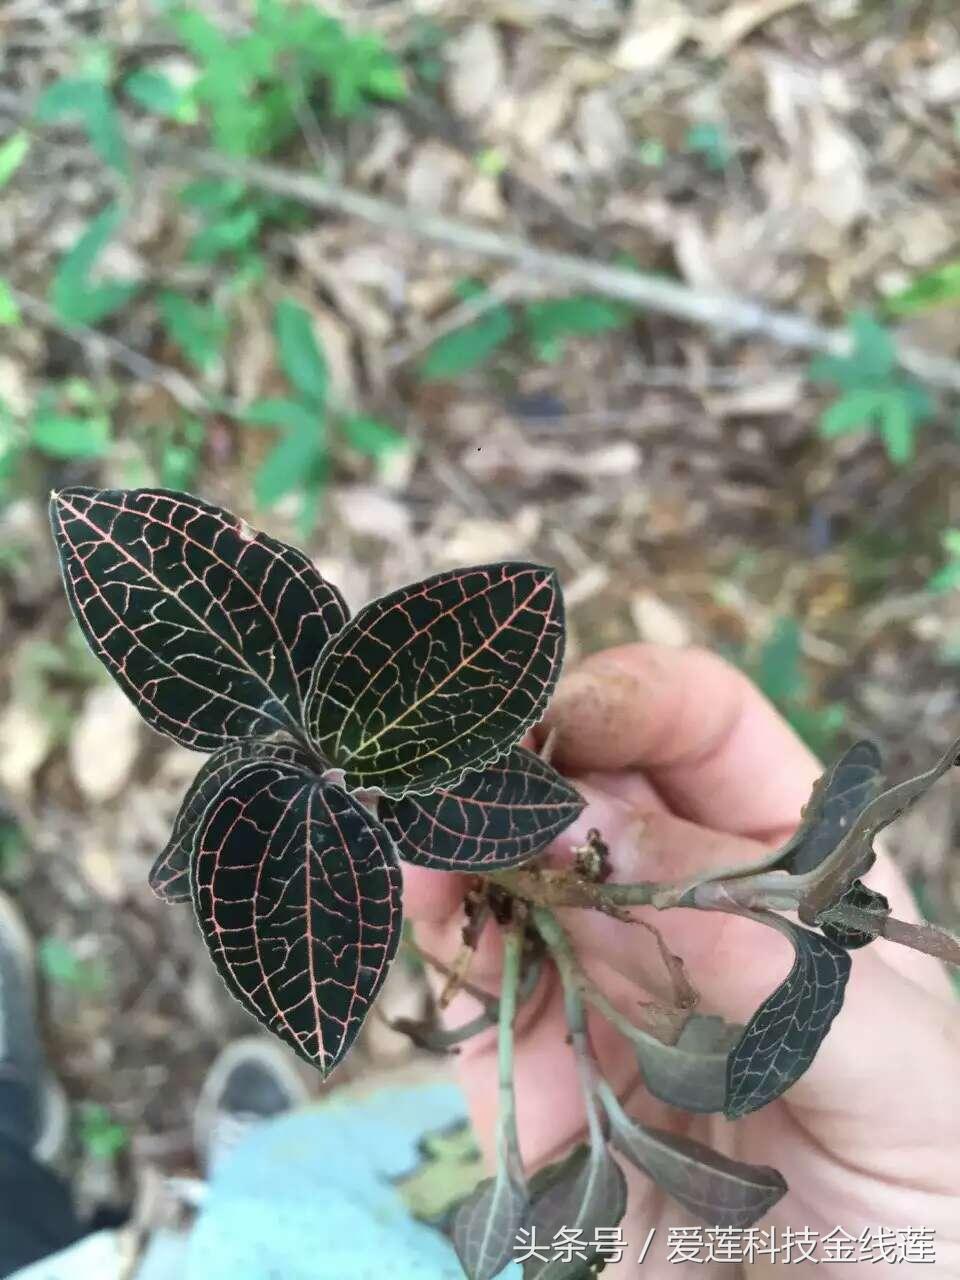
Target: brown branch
727 313
924 937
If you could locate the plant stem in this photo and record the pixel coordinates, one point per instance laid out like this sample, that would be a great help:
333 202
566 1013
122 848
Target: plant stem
547 888
508 1142
570 975
664 1023
927 938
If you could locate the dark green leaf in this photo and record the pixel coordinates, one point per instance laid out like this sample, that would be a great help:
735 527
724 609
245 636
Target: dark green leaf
866 899
465 348
779 672
372 437
839 796
854 855
853 411
155 92
234 231
77 300
873 347
210 628
170 873
871 361
198 330
781 1040
691 1074
438 677
293 415
898 427
297 892
288 466
212 195
549 322
716 1189
585 1191
301 358
494 818
90 100
485 1228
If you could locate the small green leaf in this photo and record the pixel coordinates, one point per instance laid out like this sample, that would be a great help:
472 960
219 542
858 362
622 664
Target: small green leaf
75 299
287 467
779 673
12 155
199 330
372 437
155 92
100 1136
62 436
62 965
549 322
945 579
228 234
292 415
932 289
852 412
302 360
212 195
491 161
897 426
9 311
873 346
466 348
89 99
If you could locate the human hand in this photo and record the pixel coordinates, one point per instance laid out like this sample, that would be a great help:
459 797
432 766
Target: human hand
684 764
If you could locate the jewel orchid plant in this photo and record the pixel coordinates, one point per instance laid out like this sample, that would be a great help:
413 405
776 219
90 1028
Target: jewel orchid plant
337 746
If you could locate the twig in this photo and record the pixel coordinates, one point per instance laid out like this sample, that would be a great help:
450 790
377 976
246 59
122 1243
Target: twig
548 888
104 347
927 938
571 977
728 313
503 290
445 1039
508 1141
662 1022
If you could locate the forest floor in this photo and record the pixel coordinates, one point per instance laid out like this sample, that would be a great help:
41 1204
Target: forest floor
690 485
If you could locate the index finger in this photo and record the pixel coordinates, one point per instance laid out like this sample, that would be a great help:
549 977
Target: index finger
714 747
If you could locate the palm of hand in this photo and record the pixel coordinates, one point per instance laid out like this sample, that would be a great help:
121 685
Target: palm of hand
853 1154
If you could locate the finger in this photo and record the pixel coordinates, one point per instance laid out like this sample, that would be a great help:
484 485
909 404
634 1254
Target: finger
650 844
431 897
714 747
736 964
